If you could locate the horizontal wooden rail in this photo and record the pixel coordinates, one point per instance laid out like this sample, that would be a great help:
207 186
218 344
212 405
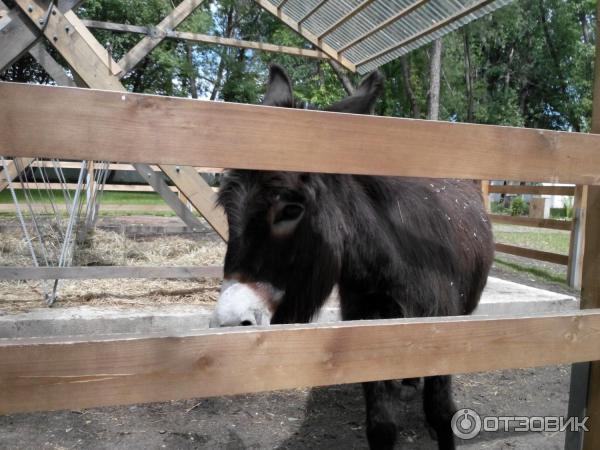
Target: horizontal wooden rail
122 127
555 258
124 167
553 224
71 372
107 187
206 39
533 190
104 208
108 272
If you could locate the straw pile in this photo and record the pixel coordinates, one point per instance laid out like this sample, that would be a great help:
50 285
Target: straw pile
114 248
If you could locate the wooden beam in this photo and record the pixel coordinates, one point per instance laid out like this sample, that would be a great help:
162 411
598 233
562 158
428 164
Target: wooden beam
50 65
108 272
345 18
82 372
207 39
113 166
590 281
147 44
566 191
532 222
160 186
432 29
13 170
485 193
577 240
76 46
387 22
114 126
91 61
107 187
333 54
199 194
555 258
18 33
106 207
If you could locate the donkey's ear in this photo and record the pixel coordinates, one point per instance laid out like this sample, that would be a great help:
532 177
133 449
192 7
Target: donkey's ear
279 89
363 100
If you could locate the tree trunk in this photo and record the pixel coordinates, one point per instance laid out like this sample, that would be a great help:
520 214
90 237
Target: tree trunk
410 93
342 76
223 55
192 75
468 76
435 69
571 113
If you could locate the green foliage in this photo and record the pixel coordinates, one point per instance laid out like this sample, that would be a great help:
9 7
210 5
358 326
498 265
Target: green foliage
498 208
518 207
568 207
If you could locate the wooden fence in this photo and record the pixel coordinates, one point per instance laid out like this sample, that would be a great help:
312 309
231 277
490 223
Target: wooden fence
573 260
61 373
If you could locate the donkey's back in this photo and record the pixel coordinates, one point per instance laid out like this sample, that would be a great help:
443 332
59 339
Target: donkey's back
418 247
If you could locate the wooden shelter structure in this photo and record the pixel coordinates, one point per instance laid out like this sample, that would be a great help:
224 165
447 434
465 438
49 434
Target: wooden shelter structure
110 124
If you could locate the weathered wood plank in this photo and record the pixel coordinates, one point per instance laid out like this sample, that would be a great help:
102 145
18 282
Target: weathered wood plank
147 44
141 128
534 190
160 186
576 242
60 373
207 39
590 277
106 207
63 31
107 272
532 222
18 33
555 258
200 195
50 65
13 171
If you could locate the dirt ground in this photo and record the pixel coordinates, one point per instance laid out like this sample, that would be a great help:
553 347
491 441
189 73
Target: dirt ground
318 418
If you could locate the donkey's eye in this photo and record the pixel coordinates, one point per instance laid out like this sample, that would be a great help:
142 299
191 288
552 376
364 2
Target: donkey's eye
291 211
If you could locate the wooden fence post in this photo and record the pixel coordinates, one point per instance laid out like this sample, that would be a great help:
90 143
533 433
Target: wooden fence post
590 293
485 192
577 238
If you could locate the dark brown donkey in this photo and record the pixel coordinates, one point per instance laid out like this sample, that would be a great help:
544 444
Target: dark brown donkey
395 247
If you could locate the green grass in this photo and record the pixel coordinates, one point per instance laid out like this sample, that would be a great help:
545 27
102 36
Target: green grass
543 274
555 241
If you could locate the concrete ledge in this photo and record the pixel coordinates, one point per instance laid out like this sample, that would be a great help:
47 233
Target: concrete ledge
500 297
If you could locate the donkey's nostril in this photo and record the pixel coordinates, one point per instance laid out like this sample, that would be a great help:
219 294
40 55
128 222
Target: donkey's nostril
246 323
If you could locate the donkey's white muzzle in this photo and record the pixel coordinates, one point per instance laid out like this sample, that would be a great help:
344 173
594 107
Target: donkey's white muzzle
245 304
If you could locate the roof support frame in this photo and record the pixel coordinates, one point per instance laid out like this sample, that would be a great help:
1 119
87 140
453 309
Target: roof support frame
432 29
330 51
205 38
345 18
387 22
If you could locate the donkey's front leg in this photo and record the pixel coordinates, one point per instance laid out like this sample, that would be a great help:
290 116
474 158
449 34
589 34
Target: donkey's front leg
381 424
439 409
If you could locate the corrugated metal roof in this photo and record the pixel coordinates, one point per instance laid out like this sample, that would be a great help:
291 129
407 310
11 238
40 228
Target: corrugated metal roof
369 33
